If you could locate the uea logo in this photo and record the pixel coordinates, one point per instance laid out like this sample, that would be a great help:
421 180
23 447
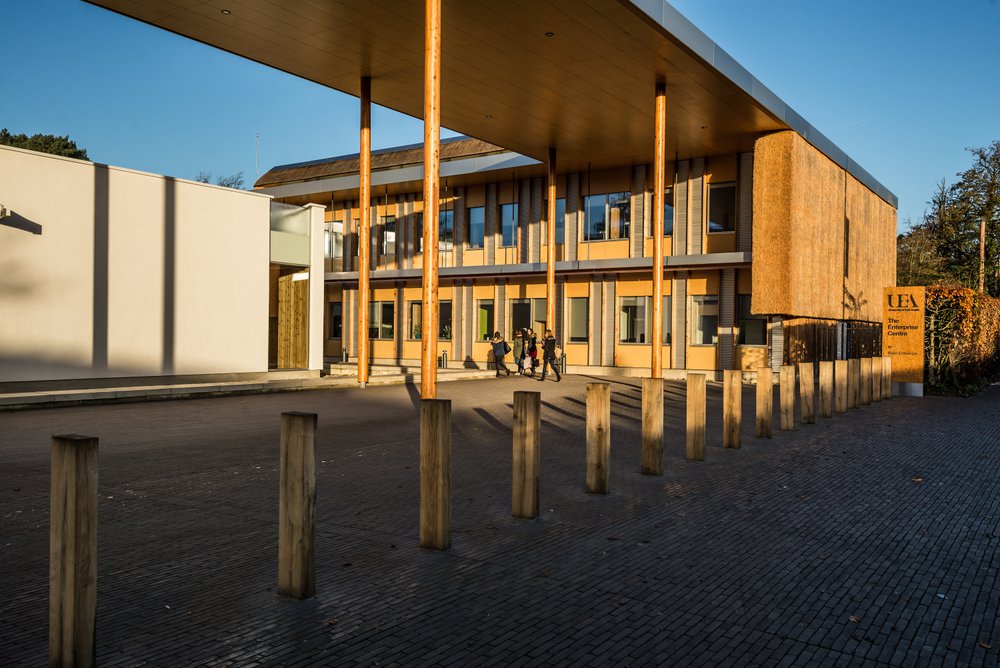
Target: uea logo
902 300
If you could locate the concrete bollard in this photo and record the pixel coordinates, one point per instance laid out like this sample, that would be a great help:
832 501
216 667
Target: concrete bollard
854 383
842 389
652 426
732 408
826 389
807 392
765 401
866 381
694 445
527 428
598 438
435 473
786 397
297 506
887 377
876 379
73 551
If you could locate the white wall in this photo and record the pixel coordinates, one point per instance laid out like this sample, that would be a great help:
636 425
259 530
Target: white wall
317 278
109 272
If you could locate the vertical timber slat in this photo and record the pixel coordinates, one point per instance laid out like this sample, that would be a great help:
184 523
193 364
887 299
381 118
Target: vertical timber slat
297 506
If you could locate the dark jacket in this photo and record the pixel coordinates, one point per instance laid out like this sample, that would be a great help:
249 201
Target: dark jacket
498 350
549 348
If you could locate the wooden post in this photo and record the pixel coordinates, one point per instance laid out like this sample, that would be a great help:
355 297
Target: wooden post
866 381
807 392
297 506
364 229
527 427
854 383
435 473
695 441
765 401
550 249
73 551
842 391
652 426
732 407
887 377
786 396
659 186
826 389
598 438
432 163
876 379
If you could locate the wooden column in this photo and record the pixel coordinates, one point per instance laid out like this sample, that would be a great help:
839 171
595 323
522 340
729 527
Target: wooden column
73 551
694 446
866 381
364 231
550 249
598 437
786 396
732 407
659 185
527 426
826 389
876 379
842 389
854 383
297 506
887 377
435 473
765 401
432 161
807 392
652 426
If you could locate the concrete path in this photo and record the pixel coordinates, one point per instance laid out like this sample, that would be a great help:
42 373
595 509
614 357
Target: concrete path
866 539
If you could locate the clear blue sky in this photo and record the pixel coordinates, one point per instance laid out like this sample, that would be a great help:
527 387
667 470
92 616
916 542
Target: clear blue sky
902 87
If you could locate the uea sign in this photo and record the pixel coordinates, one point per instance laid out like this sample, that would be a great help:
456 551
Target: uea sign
903 335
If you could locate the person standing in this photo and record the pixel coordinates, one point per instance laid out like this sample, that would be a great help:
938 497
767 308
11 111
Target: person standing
500 350
531 344
549 355
519 350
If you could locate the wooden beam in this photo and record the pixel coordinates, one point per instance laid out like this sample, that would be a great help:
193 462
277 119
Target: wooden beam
364 230
866 381
598 438
659 185
432 162
765 402
807 392
527 429
876 379
297 506
435 474
652 426
842 389
786 397
887 377
854 383
826 389
550 250
732 407
694 442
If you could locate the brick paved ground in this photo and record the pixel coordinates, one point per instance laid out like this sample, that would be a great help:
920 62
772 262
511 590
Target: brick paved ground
869 539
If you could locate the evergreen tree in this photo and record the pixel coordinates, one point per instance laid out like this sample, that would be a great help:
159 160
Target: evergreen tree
63 146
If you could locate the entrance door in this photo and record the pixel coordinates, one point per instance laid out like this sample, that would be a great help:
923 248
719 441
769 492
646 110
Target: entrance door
289 321
520 314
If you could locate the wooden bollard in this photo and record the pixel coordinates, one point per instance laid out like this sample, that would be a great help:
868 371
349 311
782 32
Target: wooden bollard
887 377
435 473
297 506
732 407
786 397
842 390
73 551
876 379
598 438
807 392
866 381
694 443
652 426
826 389
765 402
527 427
854 383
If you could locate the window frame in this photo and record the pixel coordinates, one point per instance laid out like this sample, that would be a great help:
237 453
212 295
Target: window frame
515 222
379 308
692 328
384 237
587 238
492 324
469 234
335 310
708 206
646 332
586 321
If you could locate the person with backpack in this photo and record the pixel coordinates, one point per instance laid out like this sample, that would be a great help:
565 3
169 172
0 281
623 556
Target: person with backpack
500 350
549 355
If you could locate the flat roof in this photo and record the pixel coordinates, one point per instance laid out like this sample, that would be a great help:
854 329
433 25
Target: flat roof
524 74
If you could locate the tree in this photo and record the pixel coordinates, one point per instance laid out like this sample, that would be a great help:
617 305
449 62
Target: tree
63 146
233 181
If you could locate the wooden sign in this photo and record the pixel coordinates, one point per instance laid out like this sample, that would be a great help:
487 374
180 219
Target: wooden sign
903 333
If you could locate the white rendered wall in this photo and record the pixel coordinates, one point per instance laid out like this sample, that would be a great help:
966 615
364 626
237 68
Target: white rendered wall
109 272
317 278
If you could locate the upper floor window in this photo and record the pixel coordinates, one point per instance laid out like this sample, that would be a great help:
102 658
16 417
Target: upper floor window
388 245
418 233
668 213
722 207
607 216
333 240
508 224
476 215
446 229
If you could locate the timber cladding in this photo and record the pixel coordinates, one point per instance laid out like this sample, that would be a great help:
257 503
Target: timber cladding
824 244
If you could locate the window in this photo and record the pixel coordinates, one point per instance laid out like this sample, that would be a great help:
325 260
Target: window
415 320
415 311
508 222
380 320
444 320
560 218
528 313
418 233
354 237
633 324
608 216
668 213
477 226
388 245
667 319
753 329
704 320
485 319
333 240
579 321
722 207
446 229
336 324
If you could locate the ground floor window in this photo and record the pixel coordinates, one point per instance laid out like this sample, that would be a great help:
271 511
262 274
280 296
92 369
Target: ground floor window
484 319
633 325
753 329
415 311
704 319
336 324
667 320
528 313
380 320
579 320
